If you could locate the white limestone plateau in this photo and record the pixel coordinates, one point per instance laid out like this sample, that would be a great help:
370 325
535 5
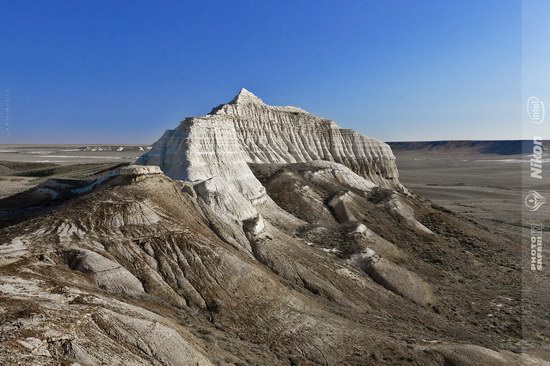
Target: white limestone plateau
246 130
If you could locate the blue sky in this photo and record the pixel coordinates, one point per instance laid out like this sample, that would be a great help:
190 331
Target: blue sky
124 71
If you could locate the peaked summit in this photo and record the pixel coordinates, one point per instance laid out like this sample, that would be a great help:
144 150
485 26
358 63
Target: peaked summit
244 96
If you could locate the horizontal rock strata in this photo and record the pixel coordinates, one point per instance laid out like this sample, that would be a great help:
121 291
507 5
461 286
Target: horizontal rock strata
246 130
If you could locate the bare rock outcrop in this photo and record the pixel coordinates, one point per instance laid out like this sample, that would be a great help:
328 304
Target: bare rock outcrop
246 130
394 278
164 272
108 274
278 135
202 148
225 199
399 208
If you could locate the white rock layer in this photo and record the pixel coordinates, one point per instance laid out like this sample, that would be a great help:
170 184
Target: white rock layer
135 170
225 199
245 130
202 148
271 134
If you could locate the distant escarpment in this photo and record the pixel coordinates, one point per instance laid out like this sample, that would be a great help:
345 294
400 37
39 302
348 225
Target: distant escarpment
498 147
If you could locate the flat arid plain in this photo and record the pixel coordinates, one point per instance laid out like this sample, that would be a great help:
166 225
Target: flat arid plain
491 189
474 184
24 166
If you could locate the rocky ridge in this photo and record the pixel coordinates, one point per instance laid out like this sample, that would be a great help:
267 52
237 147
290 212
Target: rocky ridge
279 135
246 130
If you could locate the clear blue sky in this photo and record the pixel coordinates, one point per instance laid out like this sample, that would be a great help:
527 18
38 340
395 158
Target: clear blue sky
124 71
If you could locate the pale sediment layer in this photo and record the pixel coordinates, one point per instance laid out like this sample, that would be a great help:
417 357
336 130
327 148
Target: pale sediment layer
246 130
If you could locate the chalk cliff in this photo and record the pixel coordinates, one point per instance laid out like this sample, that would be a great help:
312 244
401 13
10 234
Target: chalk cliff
271 134
201 148
246 130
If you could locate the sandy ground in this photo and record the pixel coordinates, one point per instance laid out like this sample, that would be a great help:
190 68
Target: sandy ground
483 186
490 189
13 185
